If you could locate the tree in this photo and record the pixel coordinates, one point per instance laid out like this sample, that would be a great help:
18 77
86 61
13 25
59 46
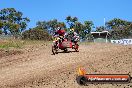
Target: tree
129 28
42 25
1 25
61 24
13 21
117 23
119 28
88 26
71 21
79 27
83 29
51 25
100 29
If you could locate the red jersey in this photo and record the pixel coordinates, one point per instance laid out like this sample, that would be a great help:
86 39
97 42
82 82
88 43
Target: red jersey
61 32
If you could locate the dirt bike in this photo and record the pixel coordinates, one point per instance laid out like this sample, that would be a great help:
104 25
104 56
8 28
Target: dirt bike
64 44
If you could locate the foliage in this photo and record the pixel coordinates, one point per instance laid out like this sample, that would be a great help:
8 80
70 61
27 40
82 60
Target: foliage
117 23
0 31
71 21
51 25
36 34
119 28
88 26
1 24
82 29
100 29
13 21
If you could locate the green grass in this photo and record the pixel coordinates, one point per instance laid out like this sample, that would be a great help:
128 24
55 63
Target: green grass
17 44
35 42
11 44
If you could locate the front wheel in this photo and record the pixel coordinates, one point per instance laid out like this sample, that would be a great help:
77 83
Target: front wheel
54 50
65 50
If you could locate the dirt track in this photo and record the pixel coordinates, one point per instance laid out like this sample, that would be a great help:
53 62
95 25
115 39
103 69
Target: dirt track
37 68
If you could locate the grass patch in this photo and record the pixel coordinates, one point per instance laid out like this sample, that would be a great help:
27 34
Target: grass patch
13 47
86 43
34 42
6 44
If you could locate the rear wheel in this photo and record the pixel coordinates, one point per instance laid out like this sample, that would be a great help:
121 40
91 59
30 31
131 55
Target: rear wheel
76 46
54 50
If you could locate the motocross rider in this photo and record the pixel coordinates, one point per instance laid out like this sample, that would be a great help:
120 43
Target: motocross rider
60 33
73 35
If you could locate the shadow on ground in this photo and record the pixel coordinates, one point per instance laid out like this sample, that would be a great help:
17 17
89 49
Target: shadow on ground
59 52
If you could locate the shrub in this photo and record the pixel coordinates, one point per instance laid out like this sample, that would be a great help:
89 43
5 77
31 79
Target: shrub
36 34
0 31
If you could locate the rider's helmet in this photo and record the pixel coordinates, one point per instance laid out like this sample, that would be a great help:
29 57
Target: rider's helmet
72 30
59 28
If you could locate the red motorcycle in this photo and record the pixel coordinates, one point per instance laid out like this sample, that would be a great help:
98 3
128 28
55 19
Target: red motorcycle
64 44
